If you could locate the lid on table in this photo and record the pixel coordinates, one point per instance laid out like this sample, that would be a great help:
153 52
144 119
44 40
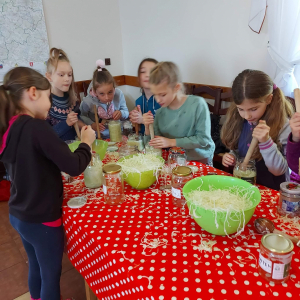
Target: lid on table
177 150
290 188
111 169
182 171
277 243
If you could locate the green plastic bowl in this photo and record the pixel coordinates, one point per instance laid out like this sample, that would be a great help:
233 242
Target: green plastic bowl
100 148
206 218
140 181
73 145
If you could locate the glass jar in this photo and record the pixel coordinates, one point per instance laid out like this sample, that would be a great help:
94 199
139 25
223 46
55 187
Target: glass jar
126 150
93 173
113 186
136 140
275 257
177 157
127 128
180 176
115 133
247 173
289 199
152 150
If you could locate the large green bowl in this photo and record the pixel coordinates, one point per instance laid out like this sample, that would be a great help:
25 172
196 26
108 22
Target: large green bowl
73 145
140 181
207 218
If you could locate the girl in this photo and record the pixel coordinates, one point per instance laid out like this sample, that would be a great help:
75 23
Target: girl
183 120
293 147
255 98
64 111
34 157
146 102
109 100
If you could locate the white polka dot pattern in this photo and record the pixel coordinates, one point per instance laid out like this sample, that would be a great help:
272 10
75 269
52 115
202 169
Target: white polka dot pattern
143 249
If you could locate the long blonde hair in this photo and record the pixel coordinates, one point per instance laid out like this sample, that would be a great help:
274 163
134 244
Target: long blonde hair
55 56
257 86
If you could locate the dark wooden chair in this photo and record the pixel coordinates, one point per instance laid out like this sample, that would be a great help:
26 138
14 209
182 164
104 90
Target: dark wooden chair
82 87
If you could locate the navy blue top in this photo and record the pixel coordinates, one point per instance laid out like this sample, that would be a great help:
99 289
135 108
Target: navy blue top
146 105
264 177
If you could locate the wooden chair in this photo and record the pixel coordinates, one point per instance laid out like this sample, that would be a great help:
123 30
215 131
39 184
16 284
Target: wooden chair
82 87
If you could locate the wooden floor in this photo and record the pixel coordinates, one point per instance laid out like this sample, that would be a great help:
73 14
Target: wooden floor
14 266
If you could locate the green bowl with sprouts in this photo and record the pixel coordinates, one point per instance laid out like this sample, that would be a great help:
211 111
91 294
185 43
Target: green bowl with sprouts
140 171
221 205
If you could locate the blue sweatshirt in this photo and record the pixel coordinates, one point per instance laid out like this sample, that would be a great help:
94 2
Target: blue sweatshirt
146 105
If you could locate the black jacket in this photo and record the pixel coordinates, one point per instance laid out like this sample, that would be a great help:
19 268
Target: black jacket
34 157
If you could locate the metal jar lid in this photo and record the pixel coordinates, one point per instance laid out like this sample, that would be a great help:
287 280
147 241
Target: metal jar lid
277 243
111 169
290 188
182 171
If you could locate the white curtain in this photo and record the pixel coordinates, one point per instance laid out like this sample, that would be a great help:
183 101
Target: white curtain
284 39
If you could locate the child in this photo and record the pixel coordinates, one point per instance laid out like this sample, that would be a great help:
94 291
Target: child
109 100
64 111
146 102
34 157
182 120
255 98
293 147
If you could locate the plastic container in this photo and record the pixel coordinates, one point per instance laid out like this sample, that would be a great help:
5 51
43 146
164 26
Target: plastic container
113 186
289 199
93 173
177 157
248 174
115 132
275 258
180 176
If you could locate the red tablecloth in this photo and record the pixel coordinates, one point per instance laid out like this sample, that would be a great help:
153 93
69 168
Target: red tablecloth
146 248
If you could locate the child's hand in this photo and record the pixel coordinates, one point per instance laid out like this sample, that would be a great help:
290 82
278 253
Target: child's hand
72 118
295 126
148 118
162 142
261 132
101 127
228 160
88 135
136 116
117 115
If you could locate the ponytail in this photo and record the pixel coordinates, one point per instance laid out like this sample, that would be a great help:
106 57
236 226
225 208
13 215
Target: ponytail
55 56
15 82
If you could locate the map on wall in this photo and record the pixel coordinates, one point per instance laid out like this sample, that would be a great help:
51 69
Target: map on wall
23 35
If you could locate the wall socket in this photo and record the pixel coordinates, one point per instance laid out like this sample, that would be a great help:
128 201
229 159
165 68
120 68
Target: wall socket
107 61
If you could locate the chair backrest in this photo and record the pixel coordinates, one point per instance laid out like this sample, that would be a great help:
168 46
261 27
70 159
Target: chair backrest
215 93
225 97
82 87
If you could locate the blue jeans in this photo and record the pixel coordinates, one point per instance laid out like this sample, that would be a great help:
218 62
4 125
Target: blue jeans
44 246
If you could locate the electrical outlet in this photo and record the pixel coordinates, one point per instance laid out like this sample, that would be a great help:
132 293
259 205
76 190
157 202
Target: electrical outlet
107 61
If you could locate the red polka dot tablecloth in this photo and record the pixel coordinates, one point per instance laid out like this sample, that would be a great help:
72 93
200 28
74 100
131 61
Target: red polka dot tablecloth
147 248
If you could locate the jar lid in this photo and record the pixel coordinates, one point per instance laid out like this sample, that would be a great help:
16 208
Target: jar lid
111 169
290 188
277 243
177 150
182 171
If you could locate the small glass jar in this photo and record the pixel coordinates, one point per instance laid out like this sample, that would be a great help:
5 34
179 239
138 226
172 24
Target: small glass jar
136 140
275 257
93 173
177 157
289 199
180 176
113 186
115 132
152 150
126 150
247 173
127 128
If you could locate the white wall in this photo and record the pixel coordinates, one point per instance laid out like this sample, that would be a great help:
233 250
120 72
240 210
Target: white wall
209 40
87 30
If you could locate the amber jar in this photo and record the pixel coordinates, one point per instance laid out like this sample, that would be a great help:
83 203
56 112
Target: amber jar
180 176
113 186
275 257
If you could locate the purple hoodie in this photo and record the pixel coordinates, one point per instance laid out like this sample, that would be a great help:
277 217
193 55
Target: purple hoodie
292 156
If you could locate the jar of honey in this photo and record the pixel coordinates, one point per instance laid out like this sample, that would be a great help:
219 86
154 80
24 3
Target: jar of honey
180 176
177 157
289 199
275 257
113 186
